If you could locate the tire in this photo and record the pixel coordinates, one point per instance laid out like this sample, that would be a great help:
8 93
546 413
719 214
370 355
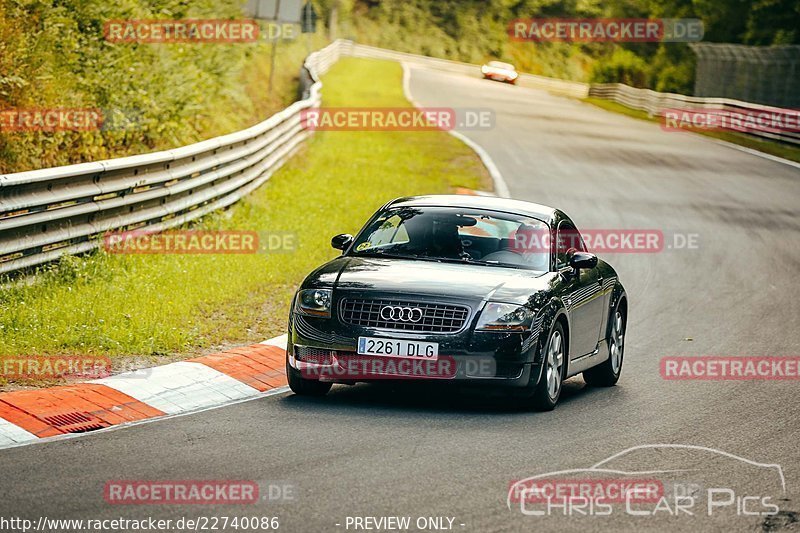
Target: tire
548 390
305 387
607 373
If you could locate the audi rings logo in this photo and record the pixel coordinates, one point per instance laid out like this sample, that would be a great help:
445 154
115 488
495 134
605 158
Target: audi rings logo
401 314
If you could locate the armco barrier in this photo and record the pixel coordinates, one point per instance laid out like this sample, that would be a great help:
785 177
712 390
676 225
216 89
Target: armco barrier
655 103
65 210
45 214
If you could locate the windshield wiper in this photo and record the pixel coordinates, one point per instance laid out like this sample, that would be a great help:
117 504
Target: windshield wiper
385 254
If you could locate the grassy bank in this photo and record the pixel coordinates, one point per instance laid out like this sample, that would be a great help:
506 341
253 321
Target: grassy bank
768 147
153 96
158 306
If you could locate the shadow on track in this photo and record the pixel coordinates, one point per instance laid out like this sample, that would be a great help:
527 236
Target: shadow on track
435 398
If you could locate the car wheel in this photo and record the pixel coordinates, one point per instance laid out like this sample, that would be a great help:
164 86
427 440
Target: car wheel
607 373
547 392
305 387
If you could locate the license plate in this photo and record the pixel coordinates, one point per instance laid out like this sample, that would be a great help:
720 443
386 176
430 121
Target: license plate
428 351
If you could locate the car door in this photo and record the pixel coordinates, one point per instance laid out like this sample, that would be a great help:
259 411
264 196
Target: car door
582 295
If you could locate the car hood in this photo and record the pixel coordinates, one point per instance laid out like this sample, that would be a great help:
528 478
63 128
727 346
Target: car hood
472 282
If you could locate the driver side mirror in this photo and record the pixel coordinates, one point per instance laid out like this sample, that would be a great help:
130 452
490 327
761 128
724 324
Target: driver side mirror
341 242
581 260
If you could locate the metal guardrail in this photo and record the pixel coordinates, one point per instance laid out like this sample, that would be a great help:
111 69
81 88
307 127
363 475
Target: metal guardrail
655 103
45 214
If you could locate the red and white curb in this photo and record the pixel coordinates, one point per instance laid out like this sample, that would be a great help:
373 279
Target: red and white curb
177 388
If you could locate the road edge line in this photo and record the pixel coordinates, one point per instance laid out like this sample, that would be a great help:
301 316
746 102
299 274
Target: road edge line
500 186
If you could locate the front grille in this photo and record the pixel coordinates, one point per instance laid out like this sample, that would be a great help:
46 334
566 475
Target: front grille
435 318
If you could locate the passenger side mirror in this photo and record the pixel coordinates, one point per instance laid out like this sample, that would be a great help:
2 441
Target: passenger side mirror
341 242
581 260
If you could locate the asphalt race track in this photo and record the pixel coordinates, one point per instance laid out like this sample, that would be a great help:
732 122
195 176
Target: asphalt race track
372 451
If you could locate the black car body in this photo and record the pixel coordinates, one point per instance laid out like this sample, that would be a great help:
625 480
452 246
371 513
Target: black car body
495 318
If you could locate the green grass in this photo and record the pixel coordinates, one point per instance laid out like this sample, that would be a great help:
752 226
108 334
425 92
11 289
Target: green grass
154 96
768 147
156 306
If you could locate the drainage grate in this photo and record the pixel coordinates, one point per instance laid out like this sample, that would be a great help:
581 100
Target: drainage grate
76 422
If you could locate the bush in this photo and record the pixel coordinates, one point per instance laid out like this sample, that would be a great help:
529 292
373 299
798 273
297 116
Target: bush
158 96
623 66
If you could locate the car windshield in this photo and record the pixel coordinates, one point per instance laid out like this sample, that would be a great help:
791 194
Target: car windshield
498 64
451 234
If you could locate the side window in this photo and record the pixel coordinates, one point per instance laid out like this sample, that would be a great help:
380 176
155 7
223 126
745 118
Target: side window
567 238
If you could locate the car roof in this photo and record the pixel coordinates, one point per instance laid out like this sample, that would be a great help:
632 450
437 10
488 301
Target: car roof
492 203
501 64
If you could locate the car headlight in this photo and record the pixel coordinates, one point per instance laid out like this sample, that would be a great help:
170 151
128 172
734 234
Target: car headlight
314 302
505 317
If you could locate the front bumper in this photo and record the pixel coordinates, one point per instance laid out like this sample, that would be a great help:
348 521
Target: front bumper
326 350
500 77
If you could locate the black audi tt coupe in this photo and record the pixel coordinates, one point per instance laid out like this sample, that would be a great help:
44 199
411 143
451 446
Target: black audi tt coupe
470 290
